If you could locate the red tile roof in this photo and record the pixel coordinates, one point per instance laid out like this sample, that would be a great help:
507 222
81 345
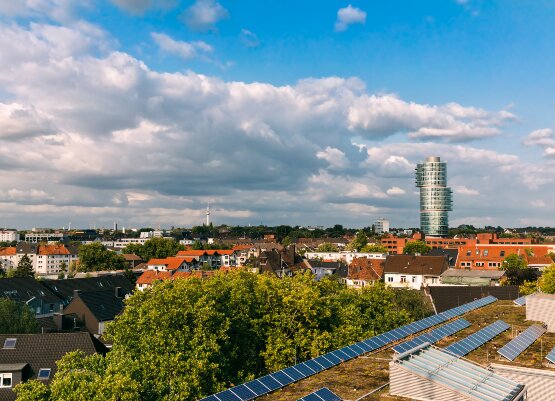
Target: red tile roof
6 251
171 263
53 250
150 276
366 269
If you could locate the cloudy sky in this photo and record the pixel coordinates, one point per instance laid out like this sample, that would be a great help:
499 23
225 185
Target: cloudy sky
275 112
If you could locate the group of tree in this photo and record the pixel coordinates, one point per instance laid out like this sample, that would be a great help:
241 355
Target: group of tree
95 257
24 268
546 283
185 339
516 270
358 242
16 318
416 248
155 248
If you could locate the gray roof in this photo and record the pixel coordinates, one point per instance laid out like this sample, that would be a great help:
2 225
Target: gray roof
469 380
103 304
25 288
27 248
491 274
65 288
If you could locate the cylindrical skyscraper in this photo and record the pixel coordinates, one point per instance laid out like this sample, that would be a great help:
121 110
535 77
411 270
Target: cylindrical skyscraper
435 197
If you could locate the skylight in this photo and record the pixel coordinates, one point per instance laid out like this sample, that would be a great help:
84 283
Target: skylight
10 343
44 373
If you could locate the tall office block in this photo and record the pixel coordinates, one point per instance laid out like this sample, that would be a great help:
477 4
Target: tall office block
436 198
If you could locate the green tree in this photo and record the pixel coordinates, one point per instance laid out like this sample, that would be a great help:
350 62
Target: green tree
184 339
95 257
286 241
516 270
416 247
547 280
197 246
16 318
358 242
374 248
528 287
327 247
513 262
552 256
24 267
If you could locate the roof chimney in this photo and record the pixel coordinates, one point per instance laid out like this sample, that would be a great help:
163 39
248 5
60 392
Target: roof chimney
118 292
76 293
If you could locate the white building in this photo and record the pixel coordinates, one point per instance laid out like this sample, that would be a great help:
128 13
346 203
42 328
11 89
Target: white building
381 226
9 236
409 271
345 256
35 238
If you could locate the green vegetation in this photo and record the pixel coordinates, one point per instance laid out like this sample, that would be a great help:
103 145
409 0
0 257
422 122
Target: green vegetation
155 248
327 247
24 268
95 257
16 318
374 248
185 339
517 270
416 247
547 280
528 287
359 242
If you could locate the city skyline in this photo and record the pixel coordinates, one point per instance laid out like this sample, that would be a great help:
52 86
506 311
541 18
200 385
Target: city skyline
145 111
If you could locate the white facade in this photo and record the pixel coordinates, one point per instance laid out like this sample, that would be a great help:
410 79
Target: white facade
412 281
52 264
35 238
345 256
9 236
381 226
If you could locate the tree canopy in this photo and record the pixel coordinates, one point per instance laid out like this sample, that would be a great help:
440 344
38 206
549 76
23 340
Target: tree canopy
374 248
16 318
155 248
185 339
327 247
547 280
24 267
358 242
516 270
95 257
415 247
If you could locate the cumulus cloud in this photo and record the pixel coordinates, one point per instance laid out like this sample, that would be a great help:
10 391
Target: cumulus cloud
543 138
462 190
185 50
116 140
537 203
203 15
347 16
140 6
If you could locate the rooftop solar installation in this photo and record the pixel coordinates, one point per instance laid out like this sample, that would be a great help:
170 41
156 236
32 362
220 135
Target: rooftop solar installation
519 344
520 301
324 394
433 336
266 384
476 340
461 376
551 356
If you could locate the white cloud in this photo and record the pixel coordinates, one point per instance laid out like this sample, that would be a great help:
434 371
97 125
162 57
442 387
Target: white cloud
347 16
185 50
203 15
335 157
249 39
395 191
537 203
543 138
462 190
141 6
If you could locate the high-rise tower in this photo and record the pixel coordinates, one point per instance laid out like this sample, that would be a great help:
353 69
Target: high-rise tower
208 214
436 198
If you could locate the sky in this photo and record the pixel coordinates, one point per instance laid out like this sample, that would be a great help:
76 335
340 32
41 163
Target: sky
142 112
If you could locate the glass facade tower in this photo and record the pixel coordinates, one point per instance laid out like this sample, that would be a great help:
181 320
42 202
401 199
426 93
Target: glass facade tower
436 198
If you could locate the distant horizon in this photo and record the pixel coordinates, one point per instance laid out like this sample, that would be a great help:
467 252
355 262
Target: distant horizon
145 111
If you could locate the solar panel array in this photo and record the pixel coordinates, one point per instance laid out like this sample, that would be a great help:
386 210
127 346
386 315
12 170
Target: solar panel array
433 336
518 344
551 356
520 301
476 340
266 384
324 394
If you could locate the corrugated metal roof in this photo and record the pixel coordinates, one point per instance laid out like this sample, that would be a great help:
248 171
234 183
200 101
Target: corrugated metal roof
469 380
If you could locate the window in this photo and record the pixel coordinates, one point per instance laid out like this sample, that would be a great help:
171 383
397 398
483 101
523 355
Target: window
390 279
468 253
502 253
403 279
5 379
9 343
414 279
44 373
486 252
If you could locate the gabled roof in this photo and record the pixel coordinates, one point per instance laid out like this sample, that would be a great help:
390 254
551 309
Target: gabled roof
171 263
43 350
53 250
65 288
26 248
25 288
150 276
104 305
450 253
415 265
366 269
193 252
7 251
540 260
130 257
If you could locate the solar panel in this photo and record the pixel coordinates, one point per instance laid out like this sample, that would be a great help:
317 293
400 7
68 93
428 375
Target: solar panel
520 301
276 380
433 336
518 344
551 356
476 340
324 394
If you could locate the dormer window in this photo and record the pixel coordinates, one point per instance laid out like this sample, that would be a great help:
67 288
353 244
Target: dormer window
5 380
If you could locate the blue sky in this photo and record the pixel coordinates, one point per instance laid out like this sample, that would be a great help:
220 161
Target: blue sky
142 111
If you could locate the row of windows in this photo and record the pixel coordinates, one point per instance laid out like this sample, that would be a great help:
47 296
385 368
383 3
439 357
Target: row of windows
480 264
484 253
